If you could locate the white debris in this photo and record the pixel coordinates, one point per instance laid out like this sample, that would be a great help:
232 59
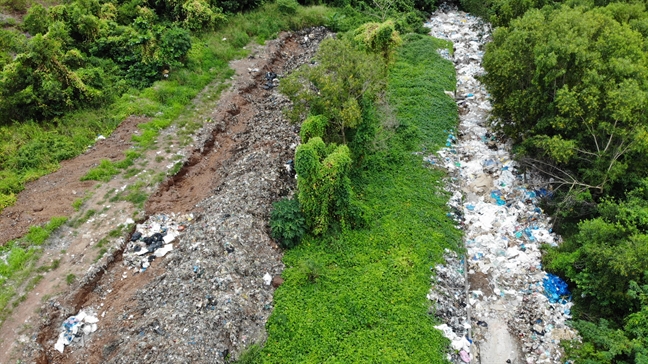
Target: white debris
76 329
498 209
153 239
267 279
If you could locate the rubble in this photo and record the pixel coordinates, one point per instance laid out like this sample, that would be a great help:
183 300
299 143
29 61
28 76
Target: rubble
76 330
154 239
500 302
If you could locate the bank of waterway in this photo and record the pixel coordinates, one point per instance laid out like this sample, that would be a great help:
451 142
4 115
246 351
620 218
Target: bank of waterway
503 313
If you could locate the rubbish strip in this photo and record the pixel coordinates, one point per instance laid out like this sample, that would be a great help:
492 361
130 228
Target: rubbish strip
497 207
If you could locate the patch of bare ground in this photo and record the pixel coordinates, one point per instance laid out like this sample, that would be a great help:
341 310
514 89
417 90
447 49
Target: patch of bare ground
206 300
53 194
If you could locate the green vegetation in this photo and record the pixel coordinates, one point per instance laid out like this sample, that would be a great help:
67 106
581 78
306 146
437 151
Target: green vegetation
360 295
70 278
287 223
18 263
570 88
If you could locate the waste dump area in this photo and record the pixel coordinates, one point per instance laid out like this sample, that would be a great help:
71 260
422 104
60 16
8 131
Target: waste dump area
197 286
496 302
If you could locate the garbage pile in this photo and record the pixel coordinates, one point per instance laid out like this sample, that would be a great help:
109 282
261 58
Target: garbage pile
497 206
154 239
214 292
448 293
75 330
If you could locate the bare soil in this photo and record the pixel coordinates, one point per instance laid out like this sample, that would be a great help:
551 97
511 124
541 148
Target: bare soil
53 194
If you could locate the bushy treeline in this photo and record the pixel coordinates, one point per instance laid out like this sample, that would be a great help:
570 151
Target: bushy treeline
86 52
502 12
569 86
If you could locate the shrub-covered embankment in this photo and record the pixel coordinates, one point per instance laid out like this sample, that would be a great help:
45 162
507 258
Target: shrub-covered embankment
359 295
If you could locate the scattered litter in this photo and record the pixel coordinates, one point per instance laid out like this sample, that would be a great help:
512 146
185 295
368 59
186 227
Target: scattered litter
153 239
497 207
76 330
208 300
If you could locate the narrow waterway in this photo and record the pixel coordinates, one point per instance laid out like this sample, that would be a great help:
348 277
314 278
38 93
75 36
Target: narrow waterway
501 309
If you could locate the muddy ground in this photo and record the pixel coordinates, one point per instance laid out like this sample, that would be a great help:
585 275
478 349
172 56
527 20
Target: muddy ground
206 300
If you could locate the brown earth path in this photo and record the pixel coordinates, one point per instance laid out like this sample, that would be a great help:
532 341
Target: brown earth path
53 194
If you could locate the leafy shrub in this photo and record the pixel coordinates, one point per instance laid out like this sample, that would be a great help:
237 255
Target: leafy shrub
287 6
313 126
380 38
36 21
324 185
199 15
6 200
16 5
287 223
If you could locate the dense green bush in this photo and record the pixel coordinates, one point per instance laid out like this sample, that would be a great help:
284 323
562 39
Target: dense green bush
502 12
323 182
570 87
342 78
287 6
287 223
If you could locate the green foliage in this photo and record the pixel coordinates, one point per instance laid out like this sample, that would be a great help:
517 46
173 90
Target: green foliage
323 182
70 278
287 6
37 234
19 6
336 87
413 93
359 296
7 200
379 38
569 86
11 42
36 21
313 126
103 172
287 223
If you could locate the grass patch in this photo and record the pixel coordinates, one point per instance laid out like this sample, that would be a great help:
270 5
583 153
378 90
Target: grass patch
360 296
70 278
18 264
176 168
83 219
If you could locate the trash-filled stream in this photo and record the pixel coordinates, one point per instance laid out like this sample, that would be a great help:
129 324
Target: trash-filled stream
497 303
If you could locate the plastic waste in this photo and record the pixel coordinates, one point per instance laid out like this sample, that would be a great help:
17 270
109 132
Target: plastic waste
556 289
